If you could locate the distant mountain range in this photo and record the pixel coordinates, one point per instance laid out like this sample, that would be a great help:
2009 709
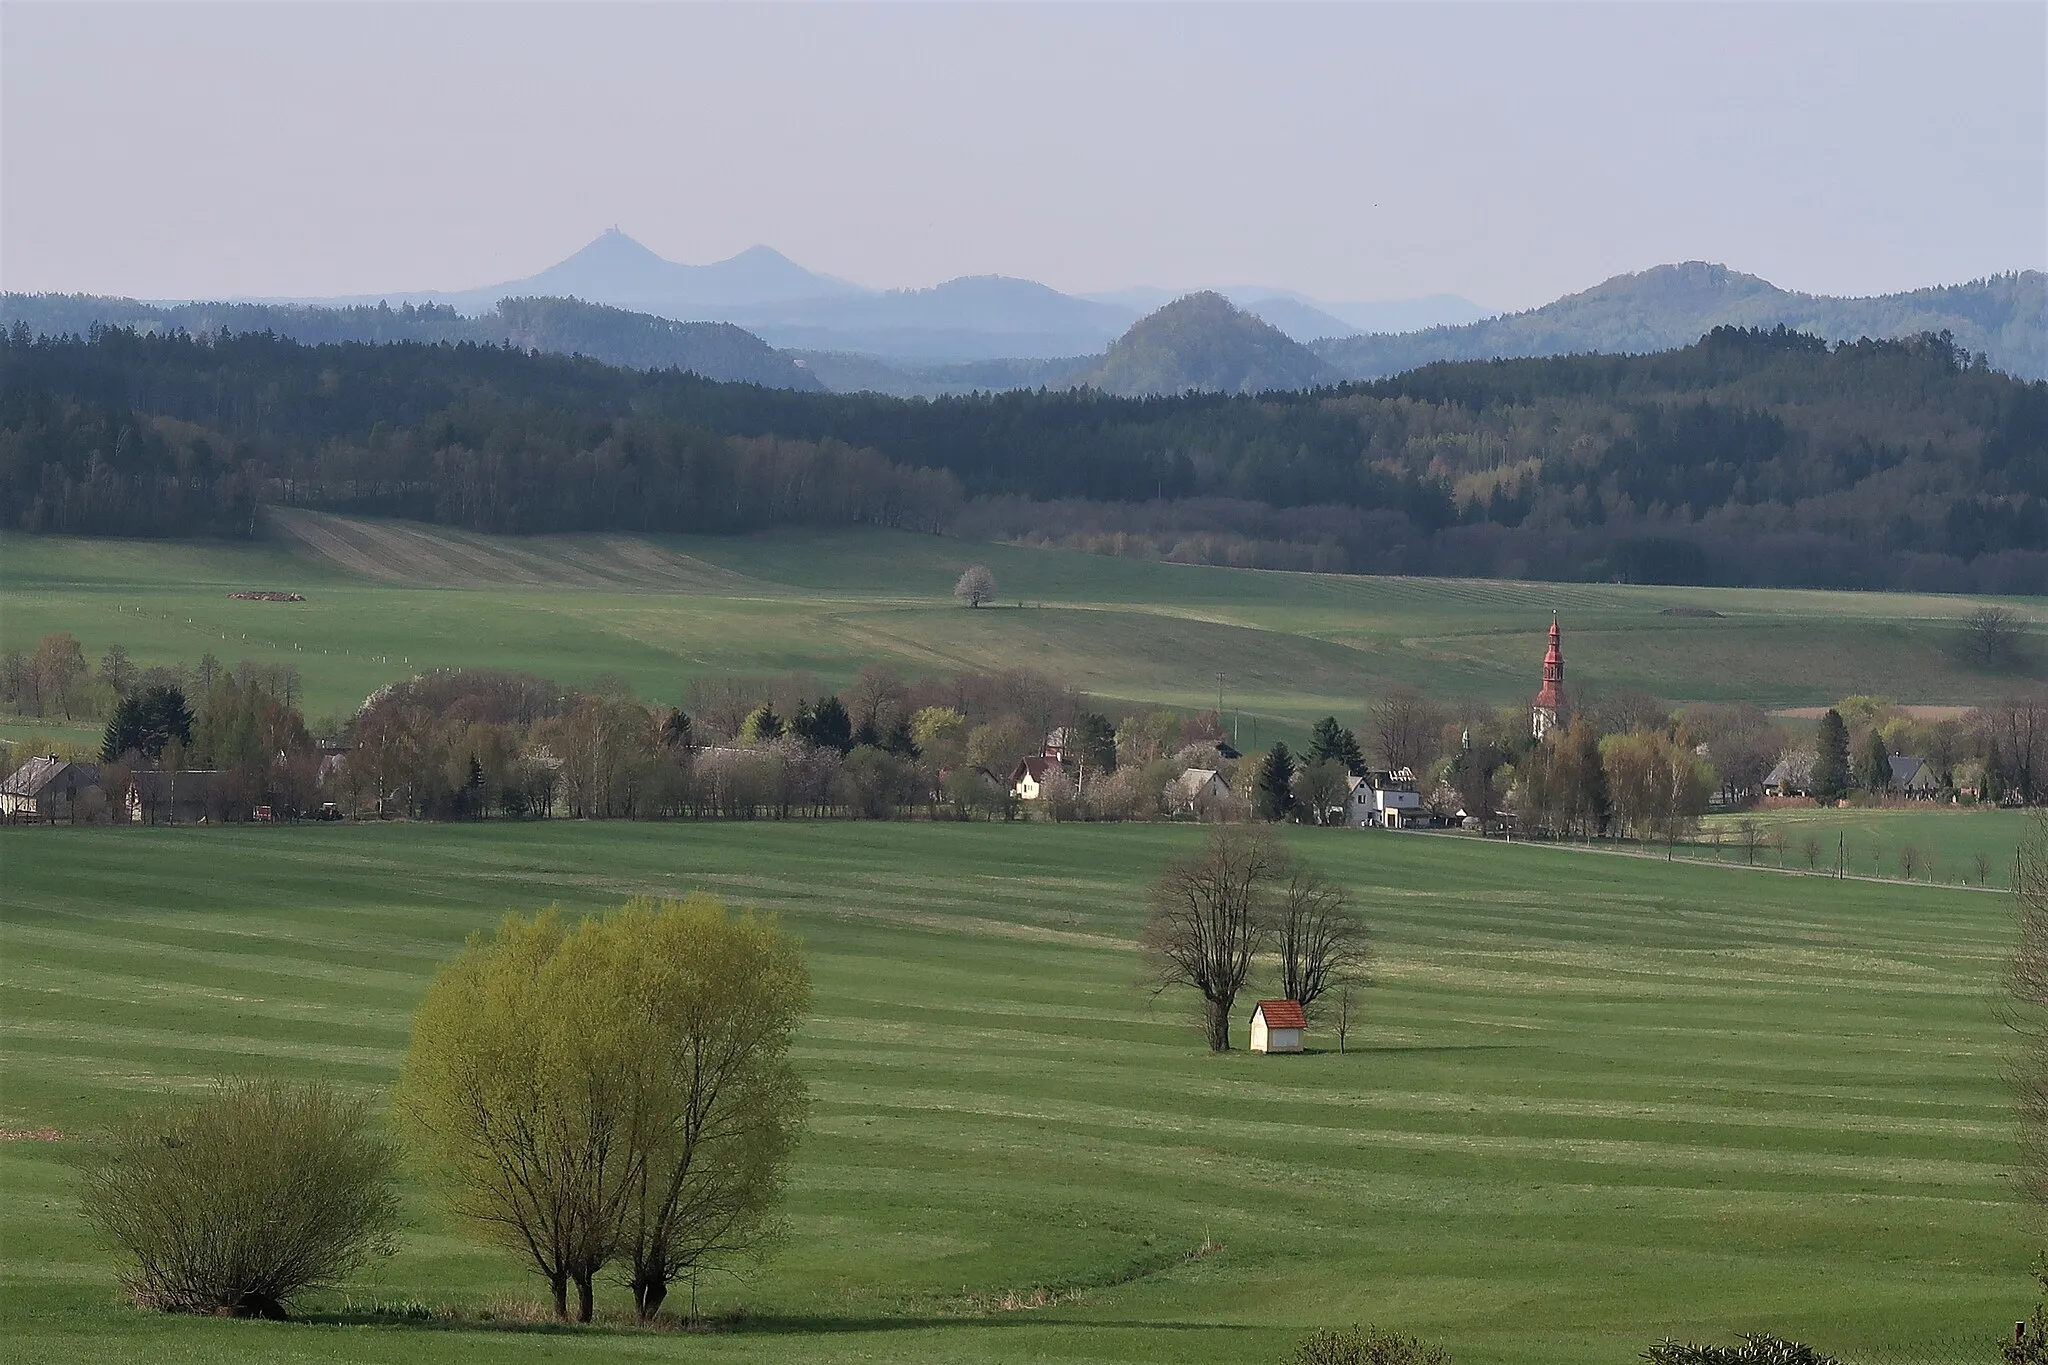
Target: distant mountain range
974 318
2004 316
761 318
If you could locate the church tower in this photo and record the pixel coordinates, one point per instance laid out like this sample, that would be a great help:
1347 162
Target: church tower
1550 701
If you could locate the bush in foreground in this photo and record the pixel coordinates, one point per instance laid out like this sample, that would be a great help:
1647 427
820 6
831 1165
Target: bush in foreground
1759 1349
245 1199
1367 1346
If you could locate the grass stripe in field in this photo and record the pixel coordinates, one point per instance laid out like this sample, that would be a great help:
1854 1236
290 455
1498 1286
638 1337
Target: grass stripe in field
1594 1100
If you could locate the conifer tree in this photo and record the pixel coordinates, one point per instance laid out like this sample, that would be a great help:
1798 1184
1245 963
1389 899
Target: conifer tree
1831 759
1274 786
1333 742
1874 773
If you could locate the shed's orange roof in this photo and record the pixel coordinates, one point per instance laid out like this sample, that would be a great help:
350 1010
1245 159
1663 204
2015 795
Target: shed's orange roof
1282 1014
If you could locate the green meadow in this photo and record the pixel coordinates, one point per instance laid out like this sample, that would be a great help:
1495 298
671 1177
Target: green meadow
385 600
1596 1099
1947 842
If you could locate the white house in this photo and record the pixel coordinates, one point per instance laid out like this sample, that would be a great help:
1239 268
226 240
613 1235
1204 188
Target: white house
1028 778
1277 1026
1199 789
45 788
1383 800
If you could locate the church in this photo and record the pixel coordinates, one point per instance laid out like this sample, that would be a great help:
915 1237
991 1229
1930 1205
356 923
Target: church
1544 716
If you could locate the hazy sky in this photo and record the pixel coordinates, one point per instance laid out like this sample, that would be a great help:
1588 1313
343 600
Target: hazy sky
1506 152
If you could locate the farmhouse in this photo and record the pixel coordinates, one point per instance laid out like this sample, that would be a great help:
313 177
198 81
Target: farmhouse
1793 776
1199 789
46 788
181 797
1277 1026
1028 778
1383 800
1913 779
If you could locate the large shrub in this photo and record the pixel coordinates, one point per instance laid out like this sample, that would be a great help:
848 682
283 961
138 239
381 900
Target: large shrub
1366 1346
244 1199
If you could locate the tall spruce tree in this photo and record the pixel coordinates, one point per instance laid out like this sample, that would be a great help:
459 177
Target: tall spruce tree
1831 759
1331 742
1274 794
1874 773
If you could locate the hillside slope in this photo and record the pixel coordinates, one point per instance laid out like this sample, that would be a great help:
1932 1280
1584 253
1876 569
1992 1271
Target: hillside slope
2005 317
1203 343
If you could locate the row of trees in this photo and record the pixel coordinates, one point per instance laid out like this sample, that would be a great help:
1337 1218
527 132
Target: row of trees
612 1092
1747 457
484 743
56 679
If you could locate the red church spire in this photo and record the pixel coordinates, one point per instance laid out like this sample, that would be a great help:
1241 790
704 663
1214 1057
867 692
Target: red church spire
1550 701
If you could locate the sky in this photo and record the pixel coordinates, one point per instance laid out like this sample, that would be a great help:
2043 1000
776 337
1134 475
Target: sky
1509 153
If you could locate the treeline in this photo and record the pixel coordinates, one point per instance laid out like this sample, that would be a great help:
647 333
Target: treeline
1748 458
442 434
563 326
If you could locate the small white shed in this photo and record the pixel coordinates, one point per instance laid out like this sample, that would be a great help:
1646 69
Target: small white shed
1277 1026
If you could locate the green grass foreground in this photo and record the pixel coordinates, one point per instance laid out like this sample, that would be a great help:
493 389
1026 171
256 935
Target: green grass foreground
1597 1099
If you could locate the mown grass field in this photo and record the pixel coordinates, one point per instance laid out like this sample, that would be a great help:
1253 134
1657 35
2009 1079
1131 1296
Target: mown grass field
386 600
1947 840
1598 1099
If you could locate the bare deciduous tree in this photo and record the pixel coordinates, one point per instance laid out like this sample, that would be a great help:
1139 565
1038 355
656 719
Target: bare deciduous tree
1210 915
1322 943
876 699
976 586
1347 1011
1321 790
1993 636
1406 728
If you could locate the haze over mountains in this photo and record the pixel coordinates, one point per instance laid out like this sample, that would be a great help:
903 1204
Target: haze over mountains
975 317
760 317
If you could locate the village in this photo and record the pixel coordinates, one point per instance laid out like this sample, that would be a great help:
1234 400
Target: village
452 745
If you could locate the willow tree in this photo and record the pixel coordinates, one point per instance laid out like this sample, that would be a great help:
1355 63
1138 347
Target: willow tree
615 1090
716 1000
515 1094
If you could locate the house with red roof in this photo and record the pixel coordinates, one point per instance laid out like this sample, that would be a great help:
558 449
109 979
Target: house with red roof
1277 1026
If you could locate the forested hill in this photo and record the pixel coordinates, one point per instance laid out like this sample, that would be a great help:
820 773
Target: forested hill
2005 317
564 326
1747 457
1204 342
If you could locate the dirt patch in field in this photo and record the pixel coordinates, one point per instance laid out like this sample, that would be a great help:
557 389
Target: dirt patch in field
30 1135
433 556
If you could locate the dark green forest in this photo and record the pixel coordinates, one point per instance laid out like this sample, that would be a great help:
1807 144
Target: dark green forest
1747 457
615 336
